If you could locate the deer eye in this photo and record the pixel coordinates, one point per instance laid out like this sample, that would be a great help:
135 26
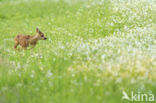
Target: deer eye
42 35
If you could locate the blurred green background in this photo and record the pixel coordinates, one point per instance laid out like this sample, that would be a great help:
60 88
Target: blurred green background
95 50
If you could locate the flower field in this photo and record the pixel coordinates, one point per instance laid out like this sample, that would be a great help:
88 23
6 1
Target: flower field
95 50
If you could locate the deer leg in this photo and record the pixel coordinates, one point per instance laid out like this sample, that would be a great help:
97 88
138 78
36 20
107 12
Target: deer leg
24 48
16 44
32 46
24 45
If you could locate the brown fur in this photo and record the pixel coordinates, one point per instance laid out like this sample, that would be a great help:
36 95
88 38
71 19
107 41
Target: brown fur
25 40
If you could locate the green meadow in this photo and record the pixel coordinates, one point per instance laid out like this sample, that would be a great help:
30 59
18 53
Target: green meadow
95 50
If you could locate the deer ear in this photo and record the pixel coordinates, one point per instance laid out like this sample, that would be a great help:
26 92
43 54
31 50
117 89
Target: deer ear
37 30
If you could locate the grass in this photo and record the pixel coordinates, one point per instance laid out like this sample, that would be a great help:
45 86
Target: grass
95 50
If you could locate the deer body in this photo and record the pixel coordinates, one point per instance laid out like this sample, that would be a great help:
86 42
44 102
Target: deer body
25 40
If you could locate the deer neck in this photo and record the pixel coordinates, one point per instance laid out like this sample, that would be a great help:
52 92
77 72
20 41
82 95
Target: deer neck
34 39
